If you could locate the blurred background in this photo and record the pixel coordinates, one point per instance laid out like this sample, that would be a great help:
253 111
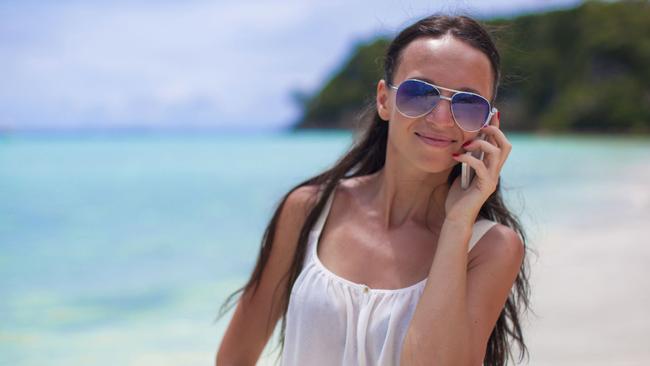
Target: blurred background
144 146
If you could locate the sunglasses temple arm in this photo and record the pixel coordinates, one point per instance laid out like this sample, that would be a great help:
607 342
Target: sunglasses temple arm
492 113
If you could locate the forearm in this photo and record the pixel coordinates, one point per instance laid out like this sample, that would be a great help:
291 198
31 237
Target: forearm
439 330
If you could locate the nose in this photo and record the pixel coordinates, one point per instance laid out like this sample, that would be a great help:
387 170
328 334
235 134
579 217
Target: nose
441 113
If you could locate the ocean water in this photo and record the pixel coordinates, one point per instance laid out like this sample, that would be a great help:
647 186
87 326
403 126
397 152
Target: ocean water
119 249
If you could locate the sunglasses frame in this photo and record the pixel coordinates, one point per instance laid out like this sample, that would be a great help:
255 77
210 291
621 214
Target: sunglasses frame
493 110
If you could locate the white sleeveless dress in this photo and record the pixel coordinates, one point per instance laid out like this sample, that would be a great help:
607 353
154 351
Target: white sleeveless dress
334 321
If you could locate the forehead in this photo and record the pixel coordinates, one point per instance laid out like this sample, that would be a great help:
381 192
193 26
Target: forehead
447 62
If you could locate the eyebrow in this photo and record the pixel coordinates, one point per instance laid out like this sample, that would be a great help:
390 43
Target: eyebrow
433 82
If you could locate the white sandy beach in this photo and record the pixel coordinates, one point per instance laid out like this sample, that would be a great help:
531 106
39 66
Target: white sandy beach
591 282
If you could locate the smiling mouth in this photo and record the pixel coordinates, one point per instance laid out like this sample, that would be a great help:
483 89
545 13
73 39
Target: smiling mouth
435 139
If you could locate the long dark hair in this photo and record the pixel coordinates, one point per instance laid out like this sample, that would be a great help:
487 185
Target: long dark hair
367 155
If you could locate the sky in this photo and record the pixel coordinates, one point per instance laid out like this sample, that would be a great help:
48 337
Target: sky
224 65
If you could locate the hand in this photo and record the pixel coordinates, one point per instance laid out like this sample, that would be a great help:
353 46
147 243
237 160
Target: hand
464 205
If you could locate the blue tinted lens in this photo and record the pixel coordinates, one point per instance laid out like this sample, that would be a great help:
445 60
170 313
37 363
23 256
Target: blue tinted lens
470 111
415 98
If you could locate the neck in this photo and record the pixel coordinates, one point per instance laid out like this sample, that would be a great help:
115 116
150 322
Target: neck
410 197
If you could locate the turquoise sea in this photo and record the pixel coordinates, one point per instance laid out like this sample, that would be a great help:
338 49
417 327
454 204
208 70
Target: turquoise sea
119 249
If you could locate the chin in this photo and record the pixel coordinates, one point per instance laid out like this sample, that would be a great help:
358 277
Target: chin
437 165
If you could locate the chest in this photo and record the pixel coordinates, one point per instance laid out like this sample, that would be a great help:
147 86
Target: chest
380 260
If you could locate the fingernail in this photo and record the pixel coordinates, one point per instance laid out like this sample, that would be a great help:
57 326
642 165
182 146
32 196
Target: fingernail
455 155
499 115
467 143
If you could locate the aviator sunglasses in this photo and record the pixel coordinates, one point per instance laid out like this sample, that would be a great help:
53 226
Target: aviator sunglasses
416 98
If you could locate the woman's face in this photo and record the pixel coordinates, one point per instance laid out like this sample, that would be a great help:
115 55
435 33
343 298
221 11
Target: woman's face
446 62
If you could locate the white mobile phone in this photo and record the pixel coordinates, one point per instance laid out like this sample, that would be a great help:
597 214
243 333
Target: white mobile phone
466 172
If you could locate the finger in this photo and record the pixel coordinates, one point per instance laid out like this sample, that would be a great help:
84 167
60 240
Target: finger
493 158
482 145
499 137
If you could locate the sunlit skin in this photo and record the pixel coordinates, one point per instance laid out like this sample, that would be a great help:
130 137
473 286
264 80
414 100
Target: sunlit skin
392 228
413 170
460 303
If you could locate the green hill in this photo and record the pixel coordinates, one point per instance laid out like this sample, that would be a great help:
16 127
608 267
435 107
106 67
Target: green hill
582 69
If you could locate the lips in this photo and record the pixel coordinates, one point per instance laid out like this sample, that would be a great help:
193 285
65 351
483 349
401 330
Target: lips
436 141
435 137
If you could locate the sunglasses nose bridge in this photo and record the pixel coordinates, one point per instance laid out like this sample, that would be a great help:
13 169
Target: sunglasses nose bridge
430 116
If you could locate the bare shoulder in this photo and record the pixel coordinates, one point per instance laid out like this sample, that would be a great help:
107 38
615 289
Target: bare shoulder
504 238
349 191
302 199
500 243
296 208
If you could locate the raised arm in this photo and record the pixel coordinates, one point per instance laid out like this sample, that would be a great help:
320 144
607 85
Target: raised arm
248 333
460 304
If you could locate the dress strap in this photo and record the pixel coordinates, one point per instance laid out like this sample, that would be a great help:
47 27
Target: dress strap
480 228
315 233
318 227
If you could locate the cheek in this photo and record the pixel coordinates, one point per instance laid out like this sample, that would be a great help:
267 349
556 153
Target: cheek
468 136
401 136
397 126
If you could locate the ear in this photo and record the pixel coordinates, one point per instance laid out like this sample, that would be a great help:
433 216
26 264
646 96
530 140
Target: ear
496 119
382 101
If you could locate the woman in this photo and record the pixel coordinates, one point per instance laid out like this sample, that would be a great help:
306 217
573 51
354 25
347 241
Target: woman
384 259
